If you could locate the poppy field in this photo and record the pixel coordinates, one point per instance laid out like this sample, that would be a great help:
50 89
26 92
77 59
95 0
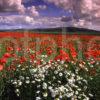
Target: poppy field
36 66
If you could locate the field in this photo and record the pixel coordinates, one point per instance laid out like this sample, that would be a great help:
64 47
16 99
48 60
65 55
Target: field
42 63
89 43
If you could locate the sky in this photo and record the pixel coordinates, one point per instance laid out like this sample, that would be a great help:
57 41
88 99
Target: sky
32 14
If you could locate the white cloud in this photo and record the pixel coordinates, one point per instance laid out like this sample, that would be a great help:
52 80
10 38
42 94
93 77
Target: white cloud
92 7
16 19
11 5
30 22
27 22
86 13
49 22
80 7
32 11
17 6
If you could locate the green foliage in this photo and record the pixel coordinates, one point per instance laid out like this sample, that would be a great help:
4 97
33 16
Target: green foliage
2 50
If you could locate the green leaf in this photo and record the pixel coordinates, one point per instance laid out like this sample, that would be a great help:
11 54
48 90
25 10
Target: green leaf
9 61
2 50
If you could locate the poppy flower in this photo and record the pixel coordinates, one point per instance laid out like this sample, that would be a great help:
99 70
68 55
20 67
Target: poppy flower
32 57
1 67
49 52
9 49
3 60
62 56
7 55
22 59
98 51
62 52
19 49
74 54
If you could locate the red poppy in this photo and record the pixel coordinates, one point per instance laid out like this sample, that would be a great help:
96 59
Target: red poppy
9 49
22 59
49 52
1 67
62 56
3 60
32 57
62 52
7 55
74 54
98 52
19 49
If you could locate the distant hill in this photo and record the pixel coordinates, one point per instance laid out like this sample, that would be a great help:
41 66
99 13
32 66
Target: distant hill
68 30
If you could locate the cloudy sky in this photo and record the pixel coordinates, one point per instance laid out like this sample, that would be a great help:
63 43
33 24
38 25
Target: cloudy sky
16 14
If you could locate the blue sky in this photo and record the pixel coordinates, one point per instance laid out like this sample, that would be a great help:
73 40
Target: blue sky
43 10
15 14
51 9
